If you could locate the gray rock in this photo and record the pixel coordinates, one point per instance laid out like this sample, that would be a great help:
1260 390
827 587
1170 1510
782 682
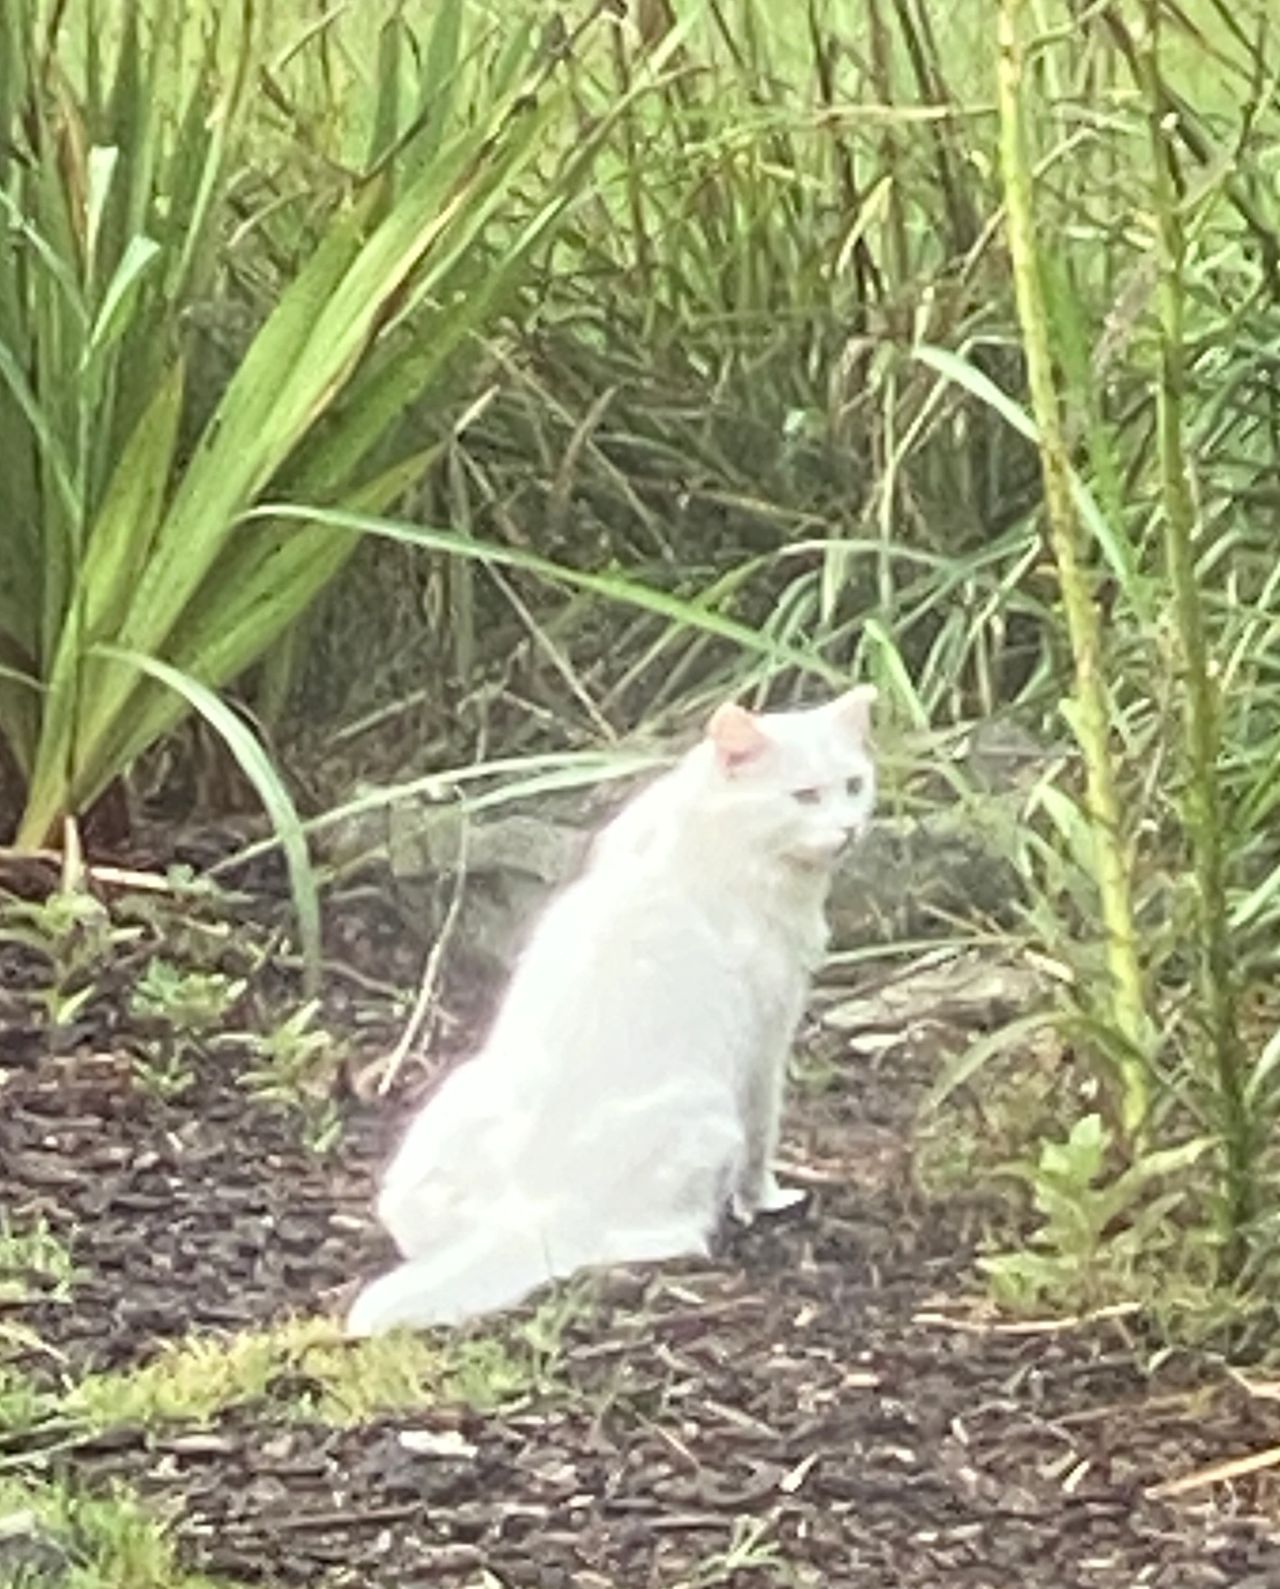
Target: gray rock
907 878
916 878
967 990
517 843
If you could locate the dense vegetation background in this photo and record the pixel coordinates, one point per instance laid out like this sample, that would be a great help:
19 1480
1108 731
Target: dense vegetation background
620 356
437 405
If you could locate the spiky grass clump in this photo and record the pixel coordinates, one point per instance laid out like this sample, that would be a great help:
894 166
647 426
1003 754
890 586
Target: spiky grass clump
51 1534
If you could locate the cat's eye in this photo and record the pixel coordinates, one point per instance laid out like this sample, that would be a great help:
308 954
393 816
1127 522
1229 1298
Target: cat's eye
855 785
807 797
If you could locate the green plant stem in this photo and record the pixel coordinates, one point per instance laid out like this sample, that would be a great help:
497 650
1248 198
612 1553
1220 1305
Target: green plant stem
1071 554
1201 716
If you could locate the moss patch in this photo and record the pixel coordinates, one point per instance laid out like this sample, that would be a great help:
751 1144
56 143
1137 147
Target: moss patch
310 1370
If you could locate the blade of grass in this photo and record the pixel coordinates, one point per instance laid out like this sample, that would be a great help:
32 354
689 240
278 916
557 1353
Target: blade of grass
254 762
614 587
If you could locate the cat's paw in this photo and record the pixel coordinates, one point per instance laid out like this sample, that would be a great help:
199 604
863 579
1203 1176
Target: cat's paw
769 1198
776 1198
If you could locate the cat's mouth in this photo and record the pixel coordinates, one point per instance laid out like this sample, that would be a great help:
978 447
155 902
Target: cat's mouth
822 859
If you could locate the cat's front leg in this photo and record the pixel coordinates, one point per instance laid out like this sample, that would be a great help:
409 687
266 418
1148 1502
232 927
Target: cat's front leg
757 1190
769 1196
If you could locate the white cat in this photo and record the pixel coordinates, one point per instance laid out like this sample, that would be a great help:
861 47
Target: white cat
631 1088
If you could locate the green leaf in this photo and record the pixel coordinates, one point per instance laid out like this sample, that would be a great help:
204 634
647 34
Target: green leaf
1114 545
1263 1070
1077 1162
963 1066
140 254
101 169
52 452
614 587
17 676
1157 1163
386 119
254 762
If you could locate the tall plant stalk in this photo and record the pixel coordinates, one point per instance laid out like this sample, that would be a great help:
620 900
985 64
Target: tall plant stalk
1071 552
1201 707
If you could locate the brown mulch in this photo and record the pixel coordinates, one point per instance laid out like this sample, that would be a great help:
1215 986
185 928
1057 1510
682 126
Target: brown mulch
827 1405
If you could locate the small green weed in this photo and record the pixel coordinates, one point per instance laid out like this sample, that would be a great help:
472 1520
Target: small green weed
487 1374
749 1550
1101 1235
184 1010
71 932
191 1004
297 1065
167 1076
51 1535
33 1254
23 1404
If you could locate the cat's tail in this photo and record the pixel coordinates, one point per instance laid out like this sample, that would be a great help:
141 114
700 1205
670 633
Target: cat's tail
481 1273
495 1266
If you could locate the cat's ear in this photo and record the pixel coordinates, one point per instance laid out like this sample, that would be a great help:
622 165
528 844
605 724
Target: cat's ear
852 710
736 734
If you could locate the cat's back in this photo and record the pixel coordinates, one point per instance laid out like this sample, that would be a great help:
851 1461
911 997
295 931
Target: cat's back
644 964
628 918
645 894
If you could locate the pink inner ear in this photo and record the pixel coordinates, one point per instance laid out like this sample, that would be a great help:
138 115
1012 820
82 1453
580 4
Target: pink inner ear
854 709
736 734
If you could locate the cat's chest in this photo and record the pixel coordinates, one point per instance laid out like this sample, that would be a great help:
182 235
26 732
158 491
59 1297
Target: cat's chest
773 959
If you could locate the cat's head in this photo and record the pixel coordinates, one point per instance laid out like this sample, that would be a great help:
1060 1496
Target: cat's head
797 786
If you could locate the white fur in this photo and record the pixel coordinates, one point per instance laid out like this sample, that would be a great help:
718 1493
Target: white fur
631 1087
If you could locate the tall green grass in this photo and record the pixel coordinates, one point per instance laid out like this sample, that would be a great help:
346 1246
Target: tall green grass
697 348
801 359
125 175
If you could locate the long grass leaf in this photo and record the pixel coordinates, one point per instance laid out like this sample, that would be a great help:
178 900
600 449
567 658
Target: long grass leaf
256 765
614 587
1113 544
266 581
52 452
140 255
964 1065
